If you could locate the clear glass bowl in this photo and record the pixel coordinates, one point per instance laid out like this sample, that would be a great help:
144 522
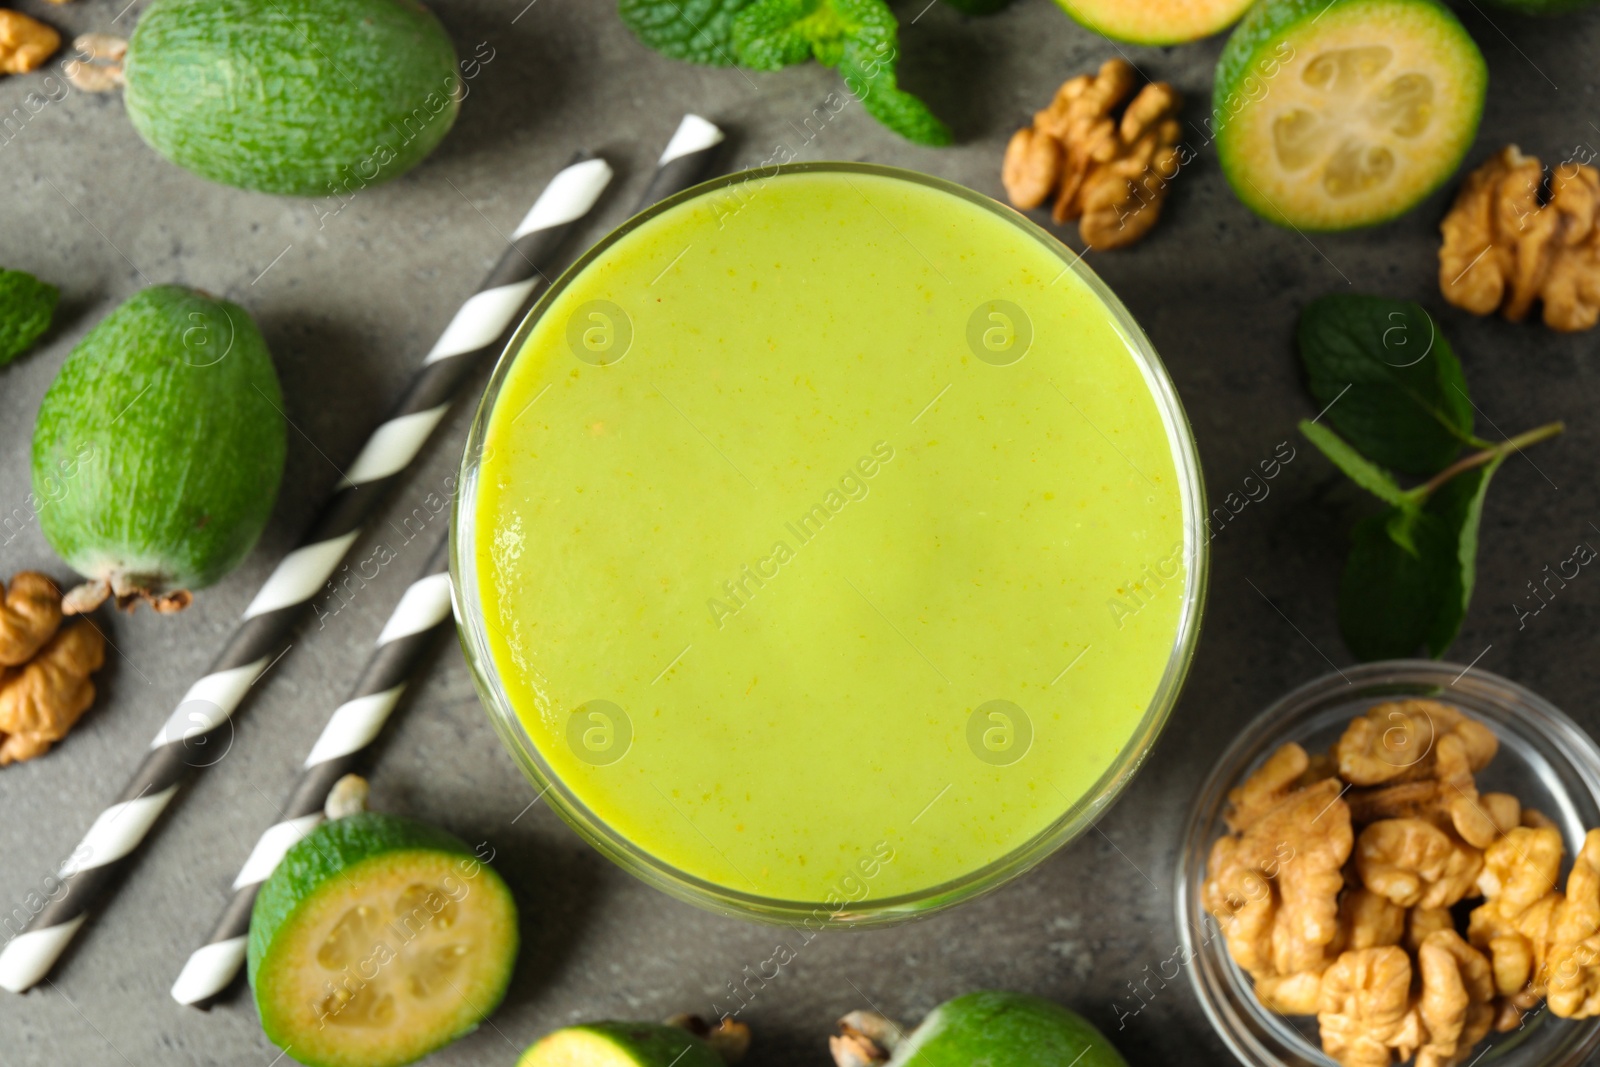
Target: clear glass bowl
1545 760
1075 817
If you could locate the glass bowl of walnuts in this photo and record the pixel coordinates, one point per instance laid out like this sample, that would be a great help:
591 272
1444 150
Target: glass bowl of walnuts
1399 863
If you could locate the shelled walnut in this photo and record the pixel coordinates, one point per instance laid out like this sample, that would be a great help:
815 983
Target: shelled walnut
25 43
1109 172
1397 979
1508 245
44 668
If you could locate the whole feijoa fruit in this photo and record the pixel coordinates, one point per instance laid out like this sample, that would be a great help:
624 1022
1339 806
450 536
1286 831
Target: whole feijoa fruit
1015 1029
158 448
304 97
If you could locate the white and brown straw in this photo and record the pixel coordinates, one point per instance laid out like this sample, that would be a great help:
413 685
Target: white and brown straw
200 722
418 621
685 161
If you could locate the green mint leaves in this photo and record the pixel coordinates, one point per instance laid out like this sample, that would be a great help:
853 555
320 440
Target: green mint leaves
694 30
1394 399
1406 405
27 306
858 37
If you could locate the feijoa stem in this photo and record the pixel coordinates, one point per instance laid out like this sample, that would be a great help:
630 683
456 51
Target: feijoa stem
865 1039
729 1038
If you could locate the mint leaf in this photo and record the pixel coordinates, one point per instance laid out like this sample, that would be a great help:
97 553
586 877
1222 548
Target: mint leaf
1389 596
1388 379
859 37
1409 578
1368 475
1460 503
26 307
695 30
870 76
771 34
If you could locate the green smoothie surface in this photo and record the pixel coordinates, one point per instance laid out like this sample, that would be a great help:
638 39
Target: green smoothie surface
830 538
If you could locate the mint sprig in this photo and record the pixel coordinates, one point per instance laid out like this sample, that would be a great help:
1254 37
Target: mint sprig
860 38
1393 390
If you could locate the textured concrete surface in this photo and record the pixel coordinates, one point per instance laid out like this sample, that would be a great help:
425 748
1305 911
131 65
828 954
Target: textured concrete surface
350 302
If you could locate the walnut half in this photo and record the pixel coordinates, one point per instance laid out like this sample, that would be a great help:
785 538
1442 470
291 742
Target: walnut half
40 702
1506 248
1110 173
30 613
25 43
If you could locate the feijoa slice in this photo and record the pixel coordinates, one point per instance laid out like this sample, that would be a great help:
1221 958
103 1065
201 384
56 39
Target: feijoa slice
1331 114
1155 21
377 940
620 1044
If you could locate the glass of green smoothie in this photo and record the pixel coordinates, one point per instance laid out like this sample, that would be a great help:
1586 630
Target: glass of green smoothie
830 545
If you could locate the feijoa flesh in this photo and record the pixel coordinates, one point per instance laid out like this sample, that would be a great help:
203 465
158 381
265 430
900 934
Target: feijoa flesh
620 1044
377 940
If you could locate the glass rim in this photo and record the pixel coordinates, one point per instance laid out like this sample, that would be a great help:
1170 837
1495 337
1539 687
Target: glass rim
1214 982
1073 820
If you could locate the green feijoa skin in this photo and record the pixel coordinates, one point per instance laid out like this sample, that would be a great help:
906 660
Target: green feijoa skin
1157 22
26 307
302 97
1013 1029
620 1044
377 940
159 447
1333 114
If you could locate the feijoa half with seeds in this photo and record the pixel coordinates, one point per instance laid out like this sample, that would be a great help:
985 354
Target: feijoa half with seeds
377 940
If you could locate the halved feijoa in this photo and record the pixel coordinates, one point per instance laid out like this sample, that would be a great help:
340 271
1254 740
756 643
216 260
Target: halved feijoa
619 1044
1013 1029
1156 21
1331 114
378 940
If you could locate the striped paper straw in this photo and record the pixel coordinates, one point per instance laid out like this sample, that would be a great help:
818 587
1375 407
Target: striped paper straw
108 848
685 160
422 615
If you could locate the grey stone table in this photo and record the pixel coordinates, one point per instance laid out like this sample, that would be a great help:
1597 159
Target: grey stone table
350 301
